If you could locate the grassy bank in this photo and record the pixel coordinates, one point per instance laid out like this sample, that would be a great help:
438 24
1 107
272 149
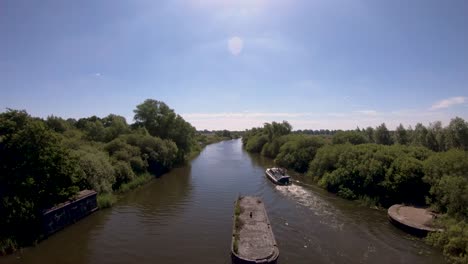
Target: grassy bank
47 161
106 200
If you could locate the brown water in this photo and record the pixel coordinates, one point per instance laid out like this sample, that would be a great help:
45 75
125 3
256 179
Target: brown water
186 217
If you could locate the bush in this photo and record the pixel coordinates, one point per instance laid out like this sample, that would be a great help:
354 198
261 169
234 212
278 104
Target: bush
36 172
97 171
123 174
298 153
136 182
138 165
352 137
255 143
393 174
453 241
447 174
106 200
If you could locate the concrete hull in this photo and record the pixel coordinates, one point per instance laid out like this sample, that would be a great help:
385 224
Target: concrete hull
254 239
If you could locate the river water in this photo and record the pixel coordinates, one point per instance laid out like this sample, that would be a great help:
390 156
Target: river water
185 216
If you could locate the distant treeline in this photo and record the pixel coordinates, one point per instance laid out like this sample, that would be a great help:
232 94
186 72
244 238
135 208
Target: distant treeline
420 166
316 131
222 133
45 162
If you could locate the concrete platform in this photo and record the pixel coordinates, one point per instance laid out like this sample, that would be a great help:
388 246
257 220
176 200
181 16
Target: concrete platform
252 234
416 221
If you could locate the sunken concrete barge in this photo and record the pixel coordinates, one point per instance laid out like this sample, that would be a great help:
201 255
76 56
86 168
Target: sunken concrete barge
416 221
252 237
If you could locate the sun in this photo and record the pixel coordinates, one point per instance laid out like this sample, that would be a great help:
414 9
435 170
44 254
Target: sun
235 45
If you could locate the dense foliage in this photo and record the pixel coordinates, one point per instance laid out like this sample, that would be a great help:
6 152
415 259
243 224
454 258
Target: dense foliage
45 162
420 166
387 174
36 172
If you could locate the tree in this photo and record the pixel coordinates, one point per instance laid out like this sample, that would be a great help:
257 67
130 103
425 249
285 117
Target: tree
36 172
446 172
114 126
370 134
440 137
457 134
155 116
57 124
419 135
162 122
275 130
382 135
401 135
299 152
352 137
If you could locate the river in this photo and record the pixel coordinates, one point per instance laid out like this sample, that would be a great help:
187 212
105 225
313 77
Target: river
185 216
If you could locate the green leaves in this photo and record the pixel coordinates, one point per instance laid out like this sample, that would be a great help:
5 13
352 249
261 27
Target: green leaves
37 172
161 121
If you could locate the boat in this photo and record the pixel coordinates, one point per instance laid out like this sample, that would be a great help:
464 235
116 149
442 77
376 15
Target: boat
278 176
253 240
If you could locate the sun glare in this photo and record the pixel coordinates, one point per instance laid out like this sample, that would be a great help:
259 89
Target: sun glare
235 45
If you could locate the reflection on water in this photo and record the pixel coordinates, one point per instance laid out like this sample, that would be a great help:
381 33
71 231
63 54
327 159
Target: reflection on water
186 217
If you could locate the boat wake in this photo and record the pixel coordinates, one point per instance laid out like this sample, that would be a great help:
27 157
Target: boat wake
308 199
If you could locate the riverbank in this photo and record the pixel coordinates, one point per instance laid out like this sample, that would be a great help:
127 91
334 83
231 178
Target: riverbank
379 173
308 222
109 199
56 158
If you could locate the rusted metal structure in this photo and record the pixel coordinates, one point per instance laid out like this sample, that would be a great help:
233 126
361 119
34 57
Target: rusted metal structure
64 214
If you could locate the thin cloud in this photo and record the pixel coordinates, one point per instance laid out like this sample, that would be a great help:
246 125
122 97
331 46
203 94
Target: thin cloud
368 112
446 103
243 115
309 120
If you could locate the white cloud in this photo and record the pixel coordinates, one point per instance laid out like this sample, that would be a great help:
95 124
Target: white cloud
367 112
97 74
446 103
307 120
235 45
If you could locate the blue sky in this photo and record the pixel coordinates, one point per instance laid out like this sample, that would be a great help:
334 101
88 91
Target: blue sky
237 64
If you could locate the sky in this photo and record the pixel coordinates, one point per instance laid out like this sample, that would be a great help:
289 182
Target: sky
225 64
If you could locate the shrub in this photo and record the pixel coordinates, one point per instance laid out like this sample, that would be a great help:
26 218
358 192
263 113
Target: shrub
97 171
298 153
123 174
453 241
447 174
106 200
255 143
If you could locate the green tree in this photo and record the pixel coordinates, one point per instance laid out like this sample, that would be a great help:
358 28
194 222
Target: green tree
298 153
370 134
457 134
447 174
382 135
162 122
275 130
401 135
352 137
57 124
419 135
36 172
439 133
155 116
114 126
